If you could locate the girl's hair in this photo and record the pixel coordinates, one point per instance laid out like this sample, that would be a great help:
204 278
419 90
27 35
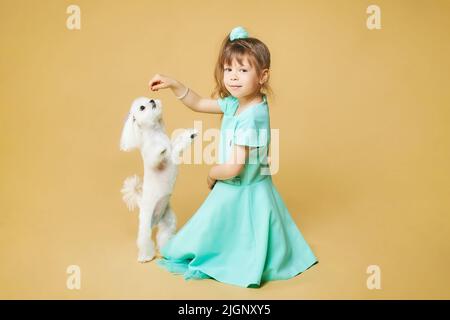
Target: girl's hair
258 56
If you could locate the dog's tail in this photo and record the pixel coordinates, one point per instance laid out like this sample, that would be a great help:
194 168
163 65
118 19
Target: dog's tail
132 191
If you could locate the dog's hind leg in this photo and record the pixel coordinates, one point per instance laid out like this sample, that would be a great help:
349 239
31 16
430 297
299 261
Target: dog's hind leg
166 227
144 239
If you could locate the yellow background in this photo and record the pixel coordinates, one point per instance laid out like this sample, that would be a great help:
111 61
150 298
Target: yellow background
364 141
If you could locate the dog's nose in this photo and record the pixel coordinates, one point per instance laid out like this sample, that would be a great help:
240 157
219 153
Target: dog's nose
142 108
153 103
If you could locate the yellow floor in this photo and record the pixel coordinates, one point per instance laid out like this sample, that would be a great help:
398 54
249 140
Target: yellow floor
41 236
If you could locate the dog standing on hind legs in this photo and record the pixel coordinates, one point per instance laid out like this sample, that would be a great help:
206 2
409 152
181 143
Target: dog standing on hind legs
144 130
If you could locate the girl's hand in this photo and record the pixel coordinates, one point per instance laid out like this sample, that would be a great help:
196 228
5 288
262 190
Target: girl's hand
160 81
211 182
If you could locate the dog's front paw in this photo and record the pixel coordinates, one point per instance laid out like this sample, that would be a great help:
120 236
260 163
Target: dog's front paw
143 258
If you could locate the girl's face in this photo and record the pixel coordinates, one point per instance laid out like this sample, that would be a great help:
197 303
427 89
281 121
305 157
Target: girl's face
241 80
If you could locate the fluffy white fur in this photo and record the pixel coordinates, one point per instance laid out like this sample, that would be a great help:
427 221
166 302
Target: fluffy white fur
144 130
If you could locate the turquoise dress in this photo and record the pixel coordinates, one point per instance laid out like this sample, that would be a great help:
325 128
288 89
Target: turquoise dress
242 234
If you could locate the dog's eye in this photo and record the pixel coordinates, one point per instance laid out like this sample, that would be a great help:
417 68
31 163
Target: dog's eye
142 108
153 103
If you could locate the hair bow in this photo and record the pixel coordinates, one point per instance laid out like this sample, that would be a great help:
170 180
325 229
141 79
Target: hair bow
238 33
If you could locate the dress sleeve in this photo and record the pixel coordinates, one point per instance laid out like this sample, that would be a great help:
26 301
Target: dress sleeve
228 105
251 132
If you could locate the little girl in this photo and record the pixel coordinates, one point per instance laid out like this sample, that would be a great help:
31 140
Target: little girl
242 234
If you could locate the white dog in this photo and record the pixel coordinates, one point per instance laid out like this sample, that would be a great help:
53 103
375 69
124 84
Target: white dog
144 129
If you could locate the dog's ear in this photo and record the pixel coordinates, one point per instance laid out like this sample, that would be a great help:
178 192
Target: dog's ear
130 136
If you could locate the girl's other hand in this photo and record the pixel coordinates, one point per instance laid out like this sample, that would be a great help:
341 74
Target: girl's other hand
160 81
211 182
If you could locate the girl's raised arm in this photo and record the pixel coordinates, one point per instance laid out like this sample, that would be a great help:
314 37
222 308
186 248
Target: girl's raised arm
186 95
